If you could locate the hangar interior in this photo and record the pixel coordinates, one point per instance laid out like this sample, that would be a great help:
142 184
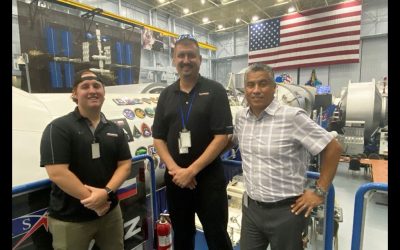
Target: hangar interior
130 42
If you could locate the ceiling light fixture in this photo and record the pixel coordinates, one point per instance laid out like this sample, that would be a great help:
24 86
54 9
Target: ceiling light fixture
205 20
161 1
237 20
220 26
254 18
291 9
203 1
186 10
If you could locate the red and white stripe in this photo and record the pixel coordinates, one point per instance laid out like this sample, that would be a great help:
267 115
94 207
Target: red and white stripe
317 37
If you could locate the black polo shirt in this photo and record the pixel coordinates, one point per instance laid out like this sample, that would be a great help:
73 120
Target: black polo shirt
68 140
210 115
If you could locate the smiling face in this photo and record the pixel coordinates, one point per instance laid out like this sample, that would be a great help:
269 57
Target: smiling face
187 59
89 93
259 90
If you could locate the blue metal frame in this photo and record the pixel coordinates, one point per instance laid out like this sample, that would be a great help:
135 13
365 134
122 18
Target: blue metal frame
30 186
47 182
329 205
152 183
329 213
359 210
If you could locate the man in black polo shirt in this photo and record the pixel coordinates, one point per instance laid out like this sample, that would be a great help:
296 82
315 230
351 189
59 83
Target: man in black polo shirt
87 158
190 129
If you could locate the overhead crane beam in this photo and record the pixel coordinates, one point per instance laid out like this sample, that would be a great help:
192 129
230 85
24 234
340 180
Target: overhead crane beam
115 17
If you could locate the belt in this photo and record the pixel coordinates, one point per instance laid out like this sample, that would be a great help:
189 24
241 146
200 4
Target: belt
281 203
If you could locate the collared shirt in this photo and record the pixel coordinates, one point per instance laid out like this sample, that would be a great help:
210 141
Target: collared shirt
275 150
209 115
68 140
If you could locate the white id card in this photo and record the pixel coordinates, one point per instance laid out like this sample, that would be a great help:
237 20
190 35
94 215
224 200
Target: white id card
245 199
95 150
182 150
185 139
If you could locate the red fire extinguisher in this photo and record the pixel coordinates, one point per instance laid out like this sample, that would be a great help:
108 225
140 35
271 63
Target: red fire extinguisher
164 236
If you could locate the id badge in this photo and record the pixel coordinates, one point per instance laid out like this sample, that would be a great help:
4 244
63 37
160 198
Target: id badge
185 139
95 150
182 150
245 199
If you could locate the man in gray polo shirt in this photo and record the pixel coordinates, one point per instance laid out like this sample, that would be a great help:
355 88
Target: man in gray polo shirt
275 141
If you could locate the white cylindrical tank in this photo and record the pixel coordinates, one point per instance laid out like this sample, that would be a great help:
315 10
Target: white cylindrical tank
296 96
363 102
288 94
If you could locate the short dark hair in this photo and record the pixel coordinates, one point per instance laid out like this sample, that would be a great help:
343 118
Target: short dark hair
78 77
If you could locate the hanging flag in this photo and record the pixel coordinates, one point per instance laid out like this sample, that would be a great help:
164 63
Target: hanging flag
318 37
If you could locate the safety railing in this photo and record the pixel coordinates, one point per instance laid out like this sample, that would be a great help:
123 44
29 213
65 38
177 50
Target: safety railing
44 183
329 202
37 185
28 187
329 213
359 212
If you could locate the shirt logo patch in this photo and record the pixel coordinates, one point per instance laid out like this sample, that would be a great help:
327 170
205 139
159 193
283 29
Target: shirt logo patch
204 93
112 134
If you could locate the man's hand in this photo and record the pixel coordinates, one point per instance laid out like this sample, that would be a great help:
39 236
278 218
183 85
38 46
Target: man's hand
98 197
183 177
308 200
103 209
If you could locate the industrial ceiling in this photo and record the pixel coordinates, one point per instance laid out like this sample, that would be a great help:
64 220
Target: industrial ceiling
229 15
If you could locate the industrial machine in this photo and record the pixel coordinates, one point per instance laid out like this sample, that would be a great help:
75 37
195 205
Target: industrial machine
364 110
359 114
354 137
383 146
288 94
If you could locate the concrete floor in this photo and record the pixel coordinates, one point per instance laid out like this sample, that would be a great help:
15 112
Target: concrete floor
376 217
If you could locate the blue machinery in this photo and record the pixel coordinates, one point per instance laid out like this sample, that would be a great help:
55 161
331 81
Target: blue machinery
359 212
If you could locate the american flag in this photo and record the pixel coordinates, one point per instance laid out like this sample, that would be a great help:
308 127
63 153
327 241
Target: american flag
318 37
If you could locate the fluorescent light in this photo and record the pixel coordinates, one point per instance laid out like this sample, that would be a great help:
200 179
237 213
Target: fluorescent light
291 9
